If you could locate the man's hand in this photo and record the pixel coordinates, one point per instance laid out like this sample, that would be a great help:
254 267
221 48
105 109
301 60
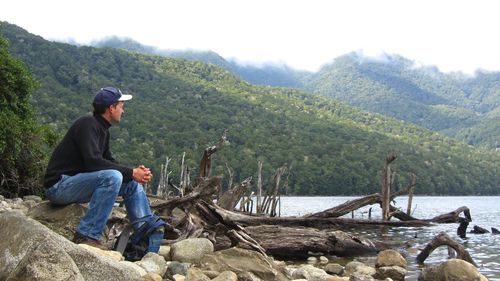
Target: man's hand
142 174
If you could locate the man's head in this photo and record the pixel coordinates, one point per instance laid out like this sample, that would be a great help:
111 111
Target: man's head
109 102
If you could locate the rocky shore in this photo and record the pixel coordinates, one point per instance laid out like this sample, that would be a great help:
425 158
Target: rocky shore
34 245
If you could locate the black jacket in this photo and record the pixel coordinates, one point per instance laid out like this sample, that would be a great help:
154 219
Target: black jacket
84 148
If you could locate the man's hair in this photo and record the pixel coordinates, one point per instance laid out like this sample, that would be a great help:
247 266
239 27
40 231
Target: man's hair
100 109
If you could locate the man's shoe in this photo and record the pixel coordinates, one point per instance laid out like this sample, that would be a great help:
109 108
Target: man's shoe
82 239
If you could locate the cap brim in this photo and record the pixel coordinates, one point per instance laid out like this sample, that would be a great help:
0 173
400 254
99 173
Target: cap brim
125 97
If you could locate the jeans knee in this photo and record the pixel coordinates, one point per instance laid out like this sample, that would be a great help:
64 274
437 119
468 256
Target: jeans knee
112 178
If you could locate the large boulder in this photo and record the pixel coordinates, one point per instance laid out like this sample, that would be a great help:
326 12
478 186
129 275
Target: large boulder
452 270
60 219
241 261
27 245
191 250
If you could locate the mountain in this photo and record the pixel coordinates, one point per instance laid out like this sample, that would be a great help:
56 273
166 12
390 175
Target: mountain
184 106
268 74
460 106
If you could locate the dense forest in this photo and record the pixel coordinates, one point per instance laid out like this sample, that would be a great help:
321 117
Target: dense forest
466 107
184 106
457 105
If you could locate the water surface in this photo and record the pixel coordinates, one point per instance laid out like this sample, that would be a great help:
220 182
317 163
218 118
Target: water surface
485 212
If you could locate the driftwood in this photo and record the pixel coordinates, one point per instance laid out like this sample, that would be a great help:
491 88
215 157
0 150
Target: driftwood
231 197
293 242
387 179
443 239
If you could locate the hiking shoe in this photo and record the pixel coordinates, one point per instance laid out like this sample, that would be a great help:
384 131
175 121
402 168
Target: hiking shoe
82 239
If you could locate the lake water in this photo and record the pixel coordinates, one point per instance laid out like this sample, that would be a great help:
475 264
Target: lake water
485 212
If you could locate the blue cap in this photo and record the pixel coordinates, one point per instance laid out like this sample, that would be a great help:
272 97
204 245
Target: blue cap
110 95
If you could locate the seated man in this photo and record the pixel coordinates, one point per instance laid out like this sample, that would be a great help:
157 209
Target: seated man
82 170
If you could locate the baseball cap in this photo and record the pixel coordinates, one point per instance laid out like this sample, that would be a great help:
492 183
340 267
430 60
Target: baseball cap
110 95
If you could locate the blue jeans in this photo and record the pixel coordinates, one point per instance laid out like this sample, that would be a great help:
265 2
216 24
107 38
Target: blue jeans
100 188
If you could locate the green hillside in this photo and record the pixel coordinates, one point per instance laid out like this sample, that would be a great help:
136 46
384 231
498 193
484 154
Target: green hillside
184 106
453 104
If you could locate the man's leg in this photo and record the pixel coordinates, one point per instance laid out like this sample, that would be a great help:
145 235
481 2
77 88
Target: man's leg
136 202
100 188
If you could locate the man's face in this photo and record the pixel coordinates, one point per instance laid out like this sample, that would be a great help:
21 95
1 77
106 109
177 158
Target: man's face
116 112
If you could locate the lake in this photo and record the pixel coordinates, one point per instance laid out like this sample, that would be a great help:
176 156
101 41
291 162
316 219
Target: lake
485 212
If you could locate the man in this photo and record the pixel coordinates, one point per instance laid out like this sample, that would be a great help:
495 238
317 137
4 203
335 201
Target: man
82 170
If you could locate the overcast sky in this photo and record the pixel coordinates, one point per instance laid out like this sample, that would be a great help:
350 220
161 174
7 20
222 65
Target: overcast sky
454 35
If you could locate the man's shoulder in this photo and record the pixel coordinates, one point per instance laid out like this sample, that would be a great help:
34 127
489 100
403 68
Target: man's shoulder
85 118
85 121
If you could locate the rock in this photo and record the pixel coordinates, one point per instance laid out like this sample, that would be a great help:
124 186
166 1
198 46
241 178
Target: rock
176 267
248 276
211 273
334 268
310 273
226 276
350 267
312 260
323 260
35 198
452 270
360 277
61 219
117 256
360 268
154 263
21 236
137 268
393 272
337 278
391 258
151 277
164 252
179 277
46 261
240 260
191 250
195 274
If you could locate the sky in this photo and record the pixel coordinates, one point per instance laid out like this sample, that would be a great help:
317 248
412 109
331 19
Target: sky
453 35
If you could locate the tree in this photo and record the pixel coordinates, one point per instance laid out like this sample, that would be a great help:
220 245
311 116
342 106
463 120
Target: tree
22 140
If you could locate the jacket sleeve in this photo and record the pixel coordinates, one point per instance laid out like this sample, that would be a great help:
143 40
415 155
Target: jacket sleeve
88 138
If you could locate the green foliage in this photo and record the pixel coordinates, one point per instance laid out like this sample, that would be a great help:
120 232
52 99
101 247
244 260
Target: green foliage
453 104
21 149
184 106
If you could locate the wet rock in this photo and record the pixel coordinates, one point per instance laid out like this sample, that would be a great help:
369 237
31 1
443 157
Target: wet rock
452 270
393 272
479 230
390 258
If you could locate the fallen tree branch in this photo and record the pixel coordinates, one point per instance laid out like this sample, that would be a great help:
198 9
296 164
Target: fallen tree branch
443 239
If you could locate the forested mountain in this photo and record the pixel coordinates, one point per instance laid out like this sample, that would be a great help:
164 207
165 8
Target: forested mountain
268 74
465 107
184 106
460 106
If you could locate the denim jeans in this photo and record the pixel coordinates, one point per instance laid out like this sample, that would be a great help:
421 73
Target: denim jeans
101 189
